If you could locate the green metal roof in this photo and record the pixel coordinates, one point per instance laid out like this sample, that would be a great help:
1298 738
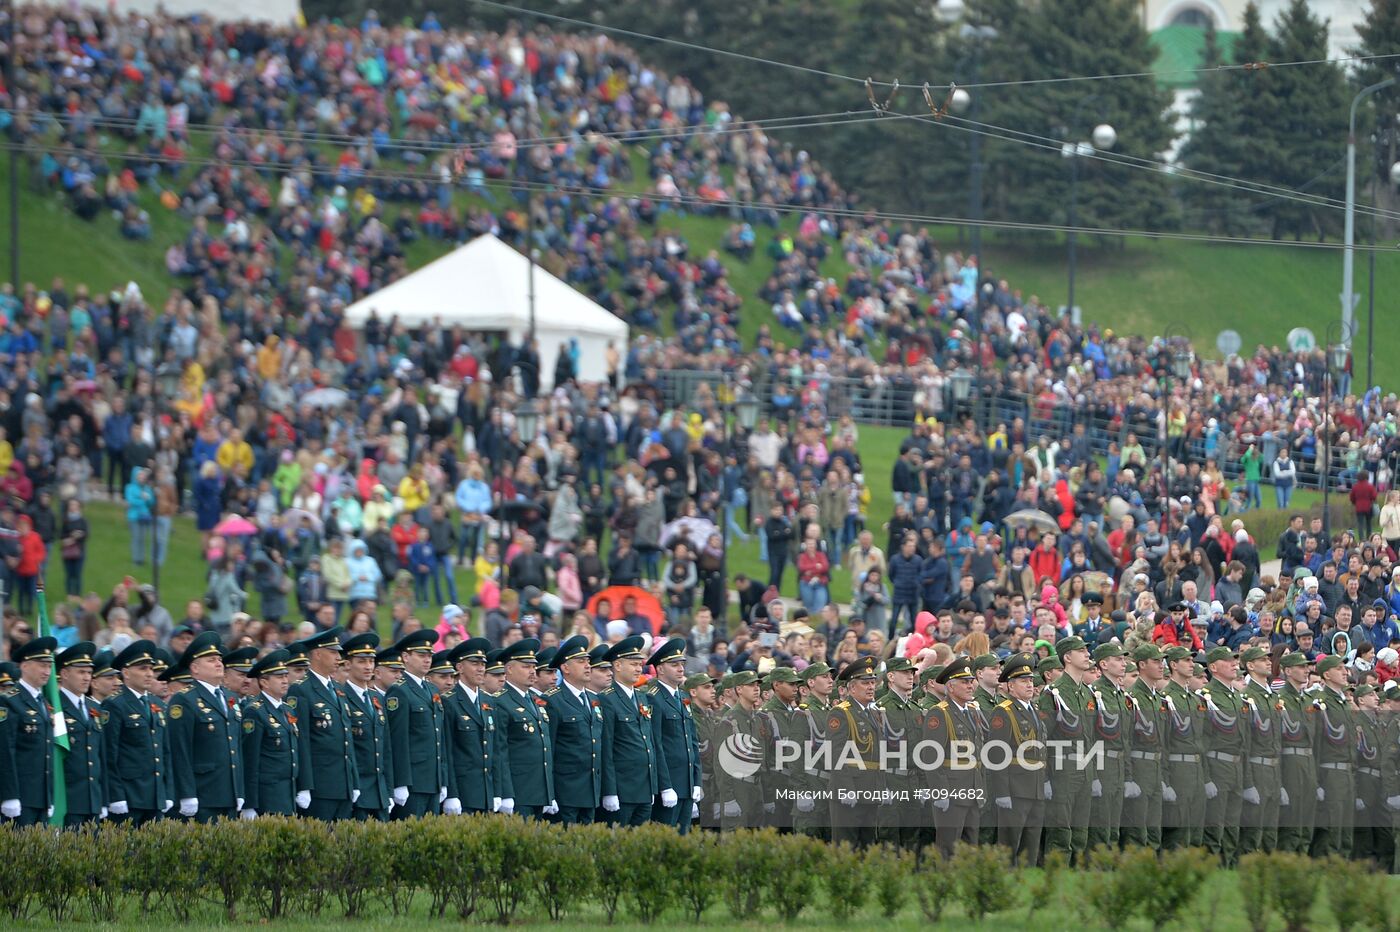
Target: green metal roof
1180 49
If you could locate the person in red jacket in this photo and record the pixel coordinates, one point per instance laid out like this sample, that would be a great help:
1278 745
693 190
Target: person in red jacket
1175 630
405 534
1363 498
1045 560
32 553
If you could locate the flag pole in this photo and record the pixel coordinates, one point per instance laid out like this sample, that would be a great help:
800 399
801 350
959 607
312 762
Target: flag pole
60 727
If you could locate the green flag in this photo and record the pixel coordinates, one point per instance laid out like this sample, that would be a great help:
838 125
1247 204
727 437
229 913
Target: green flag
60 726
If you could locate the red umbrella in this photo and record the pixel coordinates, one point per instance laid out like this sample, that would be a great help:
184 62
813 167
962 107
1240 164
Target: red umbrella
234 526
647 604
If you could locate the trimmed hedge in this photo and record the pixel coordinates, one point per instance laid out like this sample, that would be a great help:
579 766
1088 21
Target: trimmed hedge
490 869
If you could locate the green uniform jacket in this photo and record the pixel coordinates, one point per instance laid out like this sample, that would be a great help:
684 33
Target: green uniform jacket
369 734
1185 718
271 757
476 750
418 737
630 768
137 767
1018 725
1227 733
676 740
1149 721
85 764
961 779
576 735
1265 738
524 720
1337 728
747 791
323 714
1067 709
206 749
26 750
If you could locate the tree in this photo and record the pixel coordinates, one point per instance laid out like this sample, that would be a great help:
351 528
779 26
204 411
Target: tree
1379 123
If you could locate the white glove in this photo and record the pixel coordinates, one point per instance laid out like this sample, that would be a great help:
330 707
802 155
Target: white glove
168 804
240 803
248 814
303 799
1211 791
495 804
1096 789
507 806
50 814
442 793
1131 790
452 806
400 796
1282 796
1168 794
669 798
391 805
942 804
694 810
354 797
119 808
696 793
189 807
10 808
1049 791
1003 802
805 804
1360 805
611 804
849 800
1393 802
1321 795
103 813
552 808
770 808
731 808
1251 795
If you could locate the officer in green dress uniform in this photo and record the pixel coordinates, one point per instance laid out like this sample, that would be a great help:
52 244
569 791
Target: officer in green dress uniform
1068 708
369 729
327 781
742 741
271 746
1298 733
85 765
26 738
299 666
1017 789
1142 786
1113 720
599 669
1227 748
1183 774
632 771
986 670
674 736
545 676
476 747
1336 747
523 722
1369 727
206 732
495 679
906 822
133 724
441 674
388 670
105 680
418 739
576 735
237 664
959 785
160 686
1263 790
704 707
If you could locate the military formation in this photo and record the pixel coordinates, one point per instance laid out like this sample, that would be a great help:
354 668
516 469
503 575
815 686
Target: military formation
1077 751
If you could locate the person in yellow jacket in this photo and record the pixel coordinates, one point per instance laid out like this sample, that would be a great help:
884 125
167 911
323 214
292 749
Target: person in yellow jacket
413 489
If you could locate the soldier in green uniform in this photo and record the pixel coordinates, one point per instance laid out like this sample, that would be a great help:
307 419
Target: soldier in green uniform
327 782
632 774
388 669
785 782
1369 729
928 695
1336 746
105 679
1142 786
1183 774
599 670
418 737
575 734
1390 776
369 730
1017 789
854 730
1227 747
85 765
741 740
26 738
817 686
441 673
1263 789
545 676
494 679
237 664
704 707
271 746
1113 728
134 733
206 732
475 747
299 666
1049 669
902 821
523 723
1067 707
986 669
160 684
1300 790
674 736
958 785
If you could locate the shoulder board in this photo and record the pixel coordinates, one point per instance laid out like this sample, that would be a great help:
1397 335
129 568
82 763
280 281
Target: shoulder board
551 692
607 692
802 705
450 693
1004 704
255 704
843 704
942 705
650 689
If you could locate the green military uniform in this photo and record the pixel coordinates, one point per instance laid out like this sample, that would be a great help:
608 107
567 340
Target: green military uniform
369 737
1263 770
958 787
1336 748
902 822
924 698
1227 725
418 741
676 741
1142 787
271 746
741 736
1068 709
1369 727
786 780
986 700
328 772
133 731
1017 790
9 678
854 732
705 721
1113 728
1390 782
1183 797
206 743
1298 736
85 765
523 722
576 736
26 743
476 745
631 769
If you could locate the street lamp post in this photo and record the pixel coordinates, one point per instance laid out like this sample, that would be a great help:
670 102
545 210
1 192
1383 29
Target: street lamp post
975 35
1103 138
1349 224
1176 345
1336 357
527 425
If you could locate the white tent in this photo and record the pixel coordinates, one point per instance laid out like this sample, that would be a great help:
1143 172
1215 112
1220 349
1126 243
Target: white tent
485 286
277 12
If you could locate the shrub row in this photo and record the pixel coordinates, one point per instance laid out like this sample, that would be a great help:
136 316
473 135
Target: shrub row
492 869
